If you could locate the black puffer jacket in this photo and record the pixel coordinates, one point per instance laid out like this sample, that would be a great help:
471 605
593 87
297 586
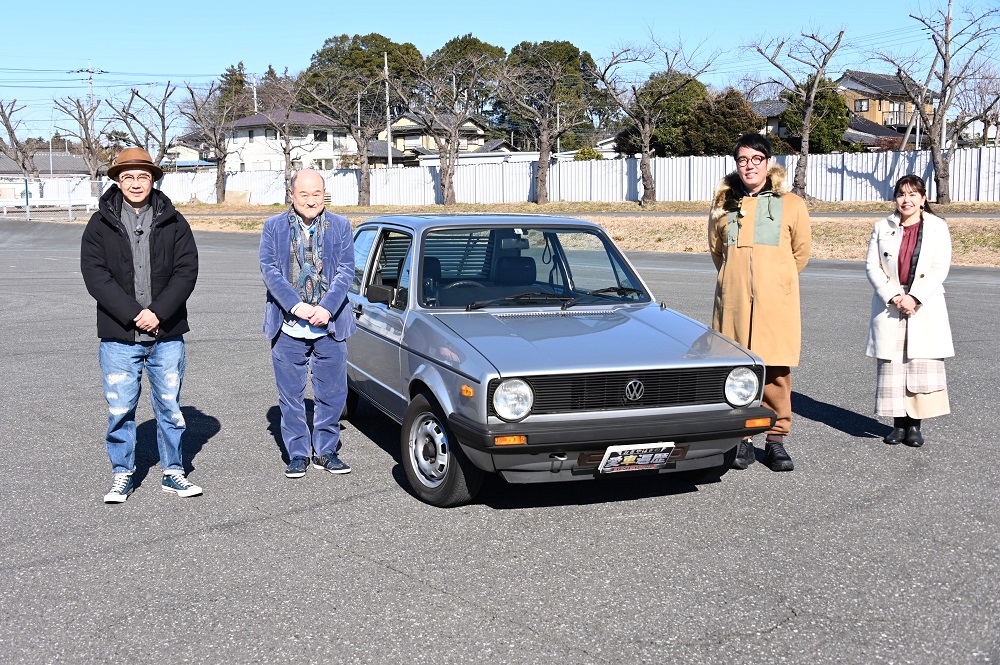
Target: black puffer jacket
107 267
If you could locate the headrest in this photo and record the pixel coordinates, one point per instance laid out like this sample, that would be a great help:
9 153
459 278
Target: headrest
515 270
432 268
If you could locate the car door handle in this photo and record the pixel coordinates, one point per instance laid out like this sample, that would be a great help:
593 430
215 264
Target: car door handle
357 310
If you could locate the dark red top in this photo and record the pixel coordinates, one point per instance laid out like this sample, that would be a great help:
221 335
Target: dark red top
906 249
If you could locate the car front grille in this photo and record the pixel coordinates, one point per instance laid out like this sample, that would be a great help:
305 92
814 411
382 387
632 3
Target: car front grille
568 393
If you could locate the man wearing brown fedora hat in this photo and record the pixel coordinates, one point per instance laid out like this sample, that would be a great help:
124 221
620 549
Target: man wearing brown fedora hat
140 263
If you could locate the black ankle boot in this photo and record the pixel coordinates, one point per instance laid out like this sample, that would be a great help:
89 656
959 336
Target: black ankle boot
898 433
914 438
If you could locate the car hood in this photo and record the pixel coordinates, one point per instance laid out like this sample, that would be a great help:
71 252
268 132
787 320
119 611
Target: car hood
518 342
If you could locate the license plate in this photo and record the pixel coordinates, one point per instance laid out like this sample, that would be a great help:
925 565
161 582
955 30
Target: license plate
636 457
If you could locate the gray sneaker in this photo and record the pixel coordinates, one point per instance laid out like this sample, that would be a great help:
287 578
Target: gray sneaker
121 487
297 468
331 463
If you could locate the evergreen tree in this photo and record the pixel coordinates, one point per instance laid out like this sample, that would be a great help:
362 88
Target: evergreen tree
829 122
716 123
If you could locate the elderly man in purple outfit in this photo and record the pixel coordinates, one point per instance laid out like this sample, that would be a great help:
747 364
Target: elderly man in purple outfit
307 263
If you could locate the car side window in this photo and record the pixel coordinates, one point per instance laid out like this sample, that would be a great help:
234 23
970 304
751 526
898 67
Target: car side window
362 249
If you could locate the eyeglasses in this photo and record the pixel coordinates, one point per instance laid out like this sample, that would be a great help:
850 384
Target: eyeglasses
128 178
756 160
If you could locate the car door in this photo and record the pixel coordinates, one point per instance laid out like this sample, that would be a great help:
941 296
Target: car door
374 352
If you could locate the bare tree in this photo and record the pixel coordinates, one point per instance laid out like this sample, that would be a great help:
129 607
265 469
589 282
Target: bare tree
958 48
448 89
356 102
803 63
979 100
21 152
543 83
211 114
345 83
645 103
147 119
85 129
290 127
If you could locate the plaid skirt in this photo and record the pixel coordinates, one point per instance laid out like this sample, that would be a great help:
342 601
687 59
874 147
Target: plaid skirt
916 387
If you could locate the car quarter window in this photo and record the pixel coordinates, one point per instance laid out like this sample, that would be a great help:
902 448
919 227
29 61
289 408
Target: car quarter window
391 267
363 242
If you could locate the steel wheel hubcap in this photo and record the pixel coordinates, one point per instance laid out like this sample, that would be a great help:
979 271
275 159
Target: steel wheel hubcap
428 450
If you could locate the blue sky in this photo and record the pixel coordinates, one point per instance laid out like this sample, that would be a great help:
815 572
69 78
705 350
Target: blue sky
148 43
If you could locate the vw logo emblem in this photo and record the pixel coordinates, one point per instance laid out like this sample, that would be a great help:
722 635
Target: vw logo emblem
634 391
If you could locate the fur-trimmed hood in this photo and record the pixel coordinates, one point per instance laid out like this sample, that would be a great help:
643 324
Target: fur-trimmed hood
730 190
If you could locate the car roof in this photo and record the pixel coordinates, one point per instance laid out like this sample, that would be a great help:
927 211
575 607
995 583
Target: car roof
420 223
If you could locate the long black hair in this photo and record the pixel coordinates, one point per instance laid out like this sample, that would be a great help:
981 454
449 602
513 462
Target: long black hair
916 183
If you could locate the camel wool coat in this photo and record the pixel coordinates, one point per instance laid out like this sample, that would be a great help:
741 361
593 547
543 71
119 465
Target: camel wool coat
759 245
928 332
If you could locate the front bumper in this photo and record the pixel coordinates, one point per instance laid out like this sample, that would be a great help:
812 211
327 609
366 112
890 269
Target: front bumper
563 436
561 451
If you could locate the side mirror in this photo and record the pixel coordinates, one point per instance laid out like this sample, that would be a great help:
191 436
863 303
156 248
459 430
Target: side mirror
379 293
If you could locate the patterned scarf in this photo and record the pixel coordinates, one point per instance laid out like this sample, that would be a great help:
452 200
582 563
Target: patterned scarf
306 261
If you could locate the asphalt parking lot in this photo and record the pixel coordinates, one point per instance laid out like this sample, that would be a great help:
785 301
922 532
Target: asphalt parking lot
866 553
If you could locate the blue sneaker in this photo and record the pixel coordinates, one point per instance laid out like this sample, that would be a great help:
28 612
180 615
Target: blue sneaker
121 487
331 463
297 468
179 485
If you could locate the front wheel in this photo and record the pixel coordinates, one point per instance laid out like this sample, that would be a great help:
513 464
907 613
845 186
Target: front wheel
439 473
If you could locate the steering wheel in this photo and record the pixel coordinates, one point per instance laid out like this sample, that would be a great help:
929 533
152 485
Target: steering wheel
462 282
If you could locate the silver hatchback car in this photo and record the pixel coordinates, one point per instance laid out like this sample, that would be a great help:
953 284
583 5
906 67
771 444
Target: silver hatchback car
527 346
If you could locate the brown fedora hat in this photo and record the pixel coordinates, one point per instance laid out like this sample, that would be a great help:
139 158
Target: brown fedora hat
134 158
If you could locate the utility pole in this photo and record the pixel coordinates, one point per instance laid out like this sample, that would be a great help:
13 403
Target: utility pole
944 119
89 71
253 84
388 117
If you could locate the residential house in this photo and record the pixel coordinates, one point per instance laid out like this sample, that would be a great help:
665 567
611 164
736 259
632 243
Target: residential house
49 164
880 98
188 152
770 110
378 155
256 144
411 136
871 135
494 151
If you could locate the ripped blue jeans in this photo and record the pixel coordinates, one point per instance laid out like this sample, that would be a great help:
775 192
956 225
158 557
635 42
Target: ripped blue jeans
122 364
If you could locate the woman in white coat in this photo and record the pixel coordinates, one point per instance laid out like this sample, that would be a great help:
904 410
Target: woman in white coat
908 260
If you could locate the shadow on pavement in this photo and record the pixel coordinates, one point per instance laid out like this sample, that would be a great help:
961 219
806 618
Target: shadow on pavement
839 418
200 429
500 495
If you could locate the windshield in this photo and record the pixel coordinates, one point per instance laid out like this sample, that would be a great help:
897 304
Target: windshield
473 268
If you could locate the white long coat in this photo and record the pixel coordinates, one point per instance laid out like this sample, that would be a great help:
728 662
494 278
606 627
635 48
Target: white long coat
928 330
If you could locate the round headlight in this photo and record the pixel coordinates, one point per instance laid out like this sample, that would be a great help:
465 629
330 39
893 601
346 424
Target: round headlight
512 399
741 386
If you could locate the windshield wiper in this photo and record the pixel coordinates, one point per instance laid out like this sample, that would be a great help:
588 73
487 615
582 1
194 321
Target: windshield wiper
606 291
528 296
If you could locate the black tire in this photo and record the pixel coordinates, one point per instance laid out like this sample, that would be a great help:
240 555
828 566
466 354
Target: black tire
351 405
437 469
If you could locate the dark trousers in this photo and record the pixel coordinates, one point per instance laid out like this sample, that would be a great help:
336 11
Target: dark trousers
293 359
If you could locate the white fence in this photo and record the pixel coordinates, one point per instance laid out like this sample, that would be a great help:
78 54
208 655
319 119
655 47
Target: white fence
59 197
975 176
